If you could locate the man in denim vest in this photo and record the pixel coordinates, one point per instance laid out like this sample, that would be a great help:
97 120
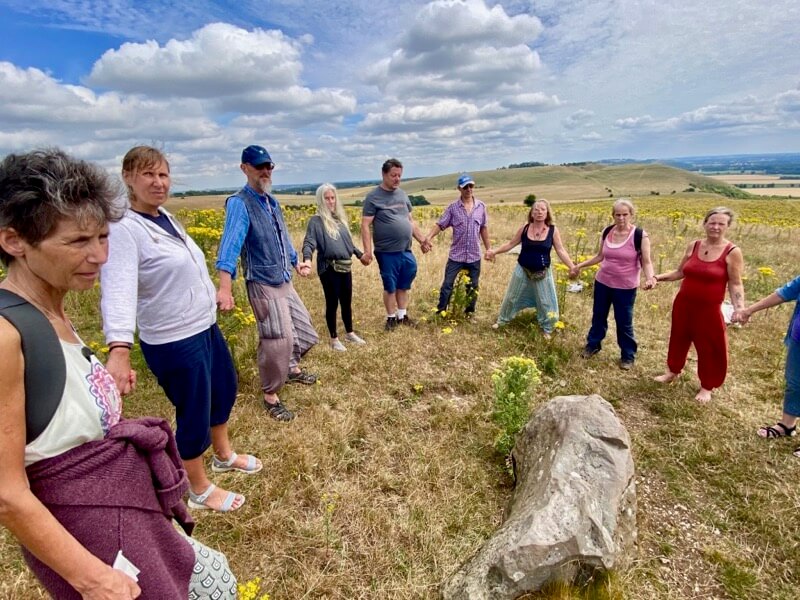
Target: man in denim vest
255 229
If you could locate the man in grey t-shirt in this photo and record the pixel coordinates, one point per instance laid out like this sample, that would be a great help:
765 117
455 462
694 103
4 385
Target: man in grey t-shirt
387 210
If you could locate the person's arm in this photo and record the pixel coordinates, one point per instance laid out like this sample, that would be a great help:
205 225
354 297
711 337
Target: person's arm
647 263
735 262
310 240
435 230
487 242
561 251
490 254
237 222
416 231
677 274
743 315
366 238
596 259
23 514
119 287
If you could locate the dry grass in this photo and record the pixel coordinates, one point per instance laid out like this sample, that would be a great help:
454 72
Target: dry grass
387 480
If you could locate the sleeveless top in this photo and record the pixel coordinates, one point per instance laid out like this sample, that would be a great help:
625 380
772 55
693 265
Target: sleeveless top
535 254
705 281
89 407
620 267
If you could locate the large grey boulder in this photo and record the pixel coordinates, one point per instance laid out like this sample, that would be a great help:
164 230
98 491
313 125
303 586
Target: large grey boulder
573 510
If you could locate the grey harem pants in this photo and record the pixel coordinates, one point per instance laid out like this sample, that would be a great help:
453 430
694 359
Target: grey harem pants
285 332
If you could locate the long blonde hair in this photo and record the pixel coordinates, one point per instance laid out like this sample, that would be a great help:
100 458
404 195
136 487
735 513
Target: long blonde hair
330 220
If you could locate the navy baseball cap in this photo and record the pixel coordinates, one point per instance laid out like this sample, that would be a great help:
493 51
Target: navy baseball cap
255 155
465 180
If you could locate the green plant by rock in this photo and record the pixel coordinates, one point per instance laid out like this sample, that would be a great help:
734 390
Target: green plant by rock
513 382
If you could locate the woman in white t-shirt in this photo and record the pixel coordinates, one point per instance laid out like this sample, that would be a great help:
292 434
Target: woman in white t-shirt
75 489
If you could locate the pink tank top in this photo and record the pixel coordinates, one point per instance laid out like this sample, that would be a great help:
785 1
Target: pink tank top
620 267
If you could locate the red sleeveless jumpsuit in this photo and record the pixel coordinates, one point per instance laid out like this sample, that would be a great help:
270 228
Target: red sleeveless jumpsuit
697 319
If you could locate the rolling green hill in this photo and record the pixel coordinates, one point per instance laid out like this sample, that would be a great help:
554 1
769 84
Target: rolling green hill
591 181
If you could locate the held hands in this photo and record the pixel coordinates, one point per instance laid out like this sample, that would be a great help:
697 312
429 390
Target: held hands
426 245
225 300
304 268
574 272
650 283
366 258
489 255
741 316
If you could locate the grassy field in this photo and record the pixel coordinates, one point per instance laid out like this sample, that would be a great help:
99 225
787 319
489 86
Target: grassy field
388 480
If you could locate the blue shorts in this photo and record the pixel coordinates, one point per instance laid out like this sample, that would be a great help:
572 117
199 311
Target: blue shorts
398 270
198 377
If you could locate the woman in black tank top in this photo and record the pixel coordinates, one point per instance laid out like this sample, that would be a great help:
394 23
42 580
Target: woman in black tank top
532 284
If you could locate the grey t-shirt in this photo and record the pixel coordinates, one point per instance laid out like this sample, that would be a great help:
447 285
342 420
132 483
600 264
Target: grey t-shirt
391 229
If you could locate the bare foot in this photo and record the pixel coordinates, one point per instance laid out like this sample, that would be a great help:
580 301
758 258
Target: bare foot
703 396
667 377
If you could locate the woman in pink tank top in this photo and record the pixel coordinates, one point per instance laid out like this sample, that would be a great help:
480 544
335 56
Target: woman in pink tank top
708 266
616 282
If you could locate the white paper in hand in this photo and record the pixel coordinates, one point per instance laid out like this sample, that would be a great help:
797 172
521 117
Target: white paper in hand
121 563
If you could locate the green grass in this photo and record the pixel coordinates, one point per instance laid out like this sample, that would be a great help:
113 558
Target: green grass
388 479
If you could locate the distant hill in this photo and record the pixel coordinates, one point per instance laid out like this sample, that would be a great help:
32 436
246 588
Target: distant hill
787 163
590 181
587 181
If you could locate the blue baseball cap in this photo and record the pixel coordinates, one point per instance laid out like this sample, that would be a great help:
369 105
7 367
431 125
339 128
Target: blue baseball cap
255 155
465 180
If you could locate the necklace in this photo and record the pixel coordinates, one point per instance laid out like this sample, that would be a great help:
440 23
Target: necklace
28 295
540 233
709 246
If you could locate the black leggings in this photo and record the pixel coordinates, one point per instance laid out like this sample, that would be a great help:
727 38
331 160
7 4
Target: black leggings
338 288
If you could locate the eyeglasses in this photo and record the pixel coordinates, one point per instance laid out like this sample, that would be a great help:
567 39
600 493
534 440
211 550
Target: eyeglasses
267 166
469 185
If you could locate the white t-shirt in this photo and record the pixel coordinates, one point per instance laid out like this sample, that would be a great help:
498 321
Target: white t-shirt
89 407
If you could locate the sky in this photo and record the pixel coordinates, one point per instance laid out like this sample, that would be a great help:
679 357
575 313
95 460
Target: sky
332 89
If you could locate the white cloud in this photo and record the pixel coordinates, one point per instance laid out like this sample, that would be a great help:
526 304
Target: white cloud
218 60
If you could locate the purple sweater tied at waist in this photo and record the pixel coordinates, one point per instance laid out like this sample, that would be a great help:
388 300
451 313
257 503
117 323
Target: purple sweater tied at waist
121 493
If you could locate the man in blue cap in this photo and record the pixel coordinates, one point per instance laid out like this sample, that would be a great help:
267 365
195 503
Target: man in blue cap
467 217
255 229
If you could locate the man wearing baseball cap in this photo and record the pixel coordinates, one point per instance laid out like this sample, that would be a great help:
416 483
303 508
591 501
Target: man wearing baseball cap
255 229
467 217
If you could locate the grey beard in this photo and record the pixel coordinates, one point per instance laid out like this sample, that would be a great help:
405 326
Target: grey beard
266 188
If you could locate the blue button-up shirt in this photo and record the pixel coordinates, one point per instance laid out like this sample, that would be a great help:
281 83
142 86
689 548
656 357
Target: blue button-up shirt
237 224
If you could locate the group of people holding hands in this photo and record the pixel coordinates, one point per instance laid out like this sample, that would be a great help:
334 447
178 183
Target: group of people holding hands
86 492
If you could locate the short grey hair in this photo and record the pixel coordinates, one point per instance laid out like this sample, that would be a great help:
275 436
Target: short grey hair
40 188
623 202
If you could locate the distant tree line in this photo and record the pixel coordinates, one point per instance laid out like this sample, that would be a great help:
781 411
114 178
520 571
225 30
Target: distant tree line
524 165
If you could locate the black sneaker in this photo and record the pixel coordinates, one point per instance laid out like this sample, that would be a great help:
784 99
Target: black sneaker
588 352
391 323
407 321
626 364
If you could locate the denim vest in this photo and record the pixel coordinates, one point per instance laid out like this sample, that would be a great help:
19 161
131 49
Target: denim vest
266 257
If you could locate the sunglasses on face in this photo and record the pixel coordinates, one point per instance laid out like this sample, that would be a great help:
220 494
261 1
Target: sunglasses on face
267 166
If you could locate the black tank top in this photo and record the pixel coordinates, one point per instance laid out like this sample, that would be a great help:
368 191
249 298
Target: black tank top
535 254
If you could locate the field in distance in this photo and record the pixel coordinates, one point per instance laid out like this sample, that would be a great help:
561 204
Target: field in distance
557 184
787 188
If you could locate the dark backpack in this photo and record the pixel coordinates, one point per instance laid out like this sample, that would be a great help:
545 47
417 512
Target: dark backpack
638 233
45 368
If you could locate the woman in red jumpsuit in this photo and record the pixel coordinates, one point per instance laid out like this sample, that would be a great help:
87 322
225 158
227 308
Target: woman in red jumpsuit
708 266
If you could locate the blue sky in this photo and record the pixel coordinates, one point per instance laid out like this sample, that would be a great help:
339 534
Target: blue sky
332 89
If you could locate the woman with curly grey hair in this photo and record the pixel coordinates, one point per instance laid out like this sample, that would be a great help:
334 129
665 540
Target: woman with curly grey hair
82 490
